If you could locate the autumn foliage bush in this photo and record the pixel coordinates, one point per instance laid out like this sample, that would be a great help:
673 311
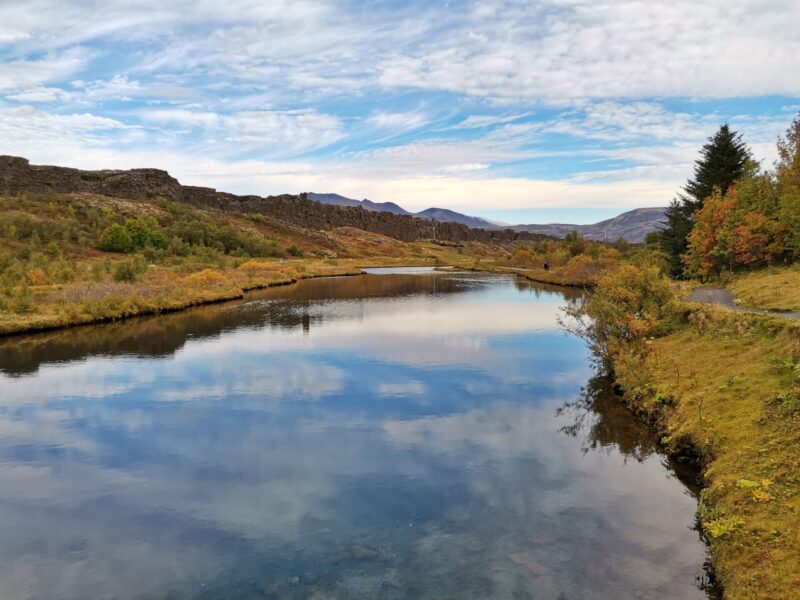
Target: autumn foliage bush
256 266
756 222
582 268
36 276
206 279
627 306
527 259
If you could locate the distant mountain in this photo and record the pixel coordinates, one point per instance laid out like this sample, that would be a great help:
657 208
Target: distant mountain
365 204
443 214
633 226
437 214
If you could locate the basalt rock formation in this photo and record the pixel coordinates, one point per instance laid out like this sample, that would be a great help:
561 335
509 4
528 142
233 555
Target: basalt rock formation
18 176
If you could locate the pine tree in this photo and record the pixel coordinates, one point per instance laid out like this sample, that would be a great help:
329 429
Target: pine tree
722 161
673 238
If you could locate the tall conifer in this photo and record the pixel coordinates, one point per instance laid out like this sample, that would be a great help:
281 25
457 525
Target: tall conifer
723 160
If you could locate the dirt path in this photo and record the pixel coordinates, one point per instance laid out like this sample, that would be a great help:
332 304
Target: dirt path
724 298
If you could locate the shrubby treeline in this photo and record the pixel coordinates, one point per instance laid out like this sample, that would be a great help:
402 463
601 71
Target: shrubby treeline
736 213
48 240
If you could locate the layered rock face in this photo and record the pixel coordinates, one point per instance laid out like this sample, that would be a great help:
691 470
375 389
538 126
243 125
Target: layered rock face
18 176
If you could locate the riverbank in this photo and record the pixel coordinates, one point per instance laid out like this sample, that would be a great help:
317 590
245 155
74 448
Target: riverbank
559 277
110 287
720 388
72 259
159 290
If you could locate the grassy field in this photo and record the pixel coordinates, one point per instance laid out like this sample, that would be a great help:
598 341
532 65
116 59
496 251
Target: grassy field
776 288
78 258
725 388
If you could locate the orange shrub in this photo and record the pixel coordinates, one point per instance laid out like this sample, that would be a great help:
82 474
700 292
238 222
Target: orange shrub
36 276
524 258
253 266
582 268
207 278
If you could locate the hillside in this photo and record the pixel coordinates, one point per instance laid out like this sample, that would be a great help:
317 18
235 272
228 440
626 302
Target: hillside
18 176
633 226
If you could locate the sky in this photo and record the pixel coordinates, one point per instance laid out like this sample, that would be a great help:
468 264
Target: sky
538 111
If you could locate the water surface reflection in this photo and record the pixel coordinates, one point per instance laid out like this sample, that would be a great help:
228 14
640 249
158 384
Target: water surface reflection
393 436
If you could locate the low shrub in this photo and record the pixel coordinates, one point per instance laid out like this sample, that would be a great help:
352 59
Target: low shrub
128 270
207 278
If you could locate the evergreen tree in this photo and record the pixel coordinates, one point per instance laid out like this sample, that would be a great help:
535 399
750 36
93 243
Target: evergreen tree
674 237
722 161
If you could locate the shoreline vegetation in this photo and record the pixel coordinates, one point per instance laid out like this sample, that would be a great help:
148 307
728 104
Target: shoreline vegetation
720 387
159 294
73 259
722 390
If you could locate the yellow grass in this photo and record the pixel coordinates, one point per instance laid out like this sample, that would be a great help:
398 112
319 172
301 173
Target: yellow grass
58 277
776 288
728 387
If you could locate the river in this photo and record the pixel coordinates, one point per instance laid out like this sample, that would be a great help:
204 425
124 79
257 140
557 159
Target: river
405 434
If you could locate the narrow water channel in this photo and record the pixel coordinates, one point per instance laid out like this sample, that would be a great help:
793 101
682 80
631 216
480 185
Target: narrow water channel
398 435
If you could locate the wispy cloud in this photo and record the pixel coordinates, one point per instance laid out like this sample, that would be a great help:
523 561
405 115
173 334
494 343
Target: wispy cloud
507 102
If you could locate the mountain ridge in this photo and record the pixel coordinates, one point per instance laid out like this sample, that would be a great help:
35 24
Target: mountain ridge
632 225
443 215
18 176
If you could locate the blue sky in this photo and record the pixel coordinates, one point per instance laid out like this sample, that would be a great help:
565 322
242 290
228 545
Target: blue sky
556 110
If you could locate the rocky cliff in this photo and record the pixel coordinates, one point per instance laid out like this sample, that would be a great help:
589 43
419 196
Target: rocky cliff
18 176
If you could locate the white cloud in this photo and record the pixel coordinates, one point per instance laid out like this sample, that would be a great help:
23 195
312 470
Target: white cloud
31 73
401 388
279 132
556 51
552 50
481 121
229 94
397 121
24 127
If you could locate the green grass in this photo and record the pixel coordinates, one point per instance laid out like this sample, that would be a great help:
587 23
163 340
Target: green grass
732 383
776 288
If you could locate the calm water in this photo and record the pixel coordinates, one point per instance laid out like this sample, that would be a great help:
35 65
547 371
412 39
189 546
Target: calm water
390 436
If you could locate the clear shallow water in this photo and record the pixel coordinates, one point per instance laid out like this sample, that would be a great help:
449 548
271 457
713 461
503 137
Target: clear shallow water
387 436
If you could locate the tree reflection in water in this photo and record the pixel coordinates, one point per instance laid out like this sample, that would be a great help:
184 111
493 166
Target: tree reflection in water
604 422
600 416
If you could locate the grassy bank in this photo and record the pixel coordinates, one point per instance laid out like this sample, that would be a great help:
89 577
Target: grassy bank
722 389
157 290
727 385
71 259
776 288
79 258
